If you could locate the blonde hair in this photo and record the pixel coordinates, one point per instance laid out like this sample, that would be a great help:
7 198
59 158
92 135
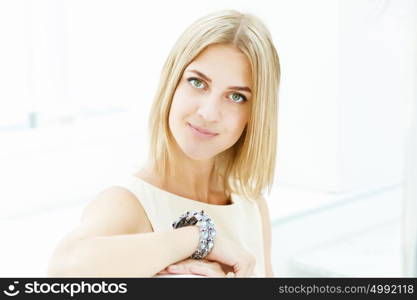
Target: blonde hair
248 166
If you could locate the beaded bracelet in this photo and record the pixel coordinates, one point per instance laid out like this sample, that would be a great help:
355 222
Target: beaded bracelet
207 231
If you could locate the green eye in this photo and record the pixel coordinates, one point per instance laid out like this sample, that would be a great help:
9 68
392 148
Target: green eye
197 83
238 97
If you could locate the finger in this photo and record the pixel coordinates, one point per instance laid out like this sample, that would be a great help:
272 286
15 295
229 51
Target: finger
206 271
190 269
177 268
197 267
226 269
184 266
180 269
180 266
241 272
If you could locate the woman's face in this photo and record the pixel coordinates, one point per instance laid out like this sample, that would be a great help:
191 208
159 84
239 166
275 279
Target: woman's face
211 104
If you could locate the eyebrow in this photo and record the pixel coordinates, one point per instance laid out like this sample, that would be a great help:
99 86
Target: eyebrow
238 88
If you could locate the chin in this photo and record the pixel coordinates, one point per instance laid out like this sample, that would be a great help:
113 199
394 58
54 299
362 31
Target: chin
197 153
196 150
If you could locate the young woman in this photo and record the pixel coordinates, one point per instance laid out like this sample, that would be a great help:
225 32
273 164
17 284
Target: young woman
213 144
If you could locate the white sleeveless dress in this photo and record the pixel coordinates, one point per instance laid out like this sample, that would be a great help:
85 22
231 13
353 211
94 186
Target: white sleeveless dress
241 220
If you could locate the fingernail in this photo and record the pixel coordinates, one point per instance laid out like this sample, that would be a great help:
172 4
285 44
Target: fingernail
173 267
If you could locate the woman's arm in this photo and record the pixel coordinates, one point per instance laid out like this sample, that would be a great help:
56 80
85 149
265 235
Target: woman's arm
115 239
132 255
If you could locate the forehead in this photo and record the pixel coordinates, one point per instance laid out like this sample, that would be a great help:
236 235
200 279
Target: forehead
224 63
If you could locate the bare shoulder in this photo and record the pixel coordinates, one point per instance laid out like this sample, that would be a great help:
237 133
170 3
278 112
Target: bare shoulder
116 211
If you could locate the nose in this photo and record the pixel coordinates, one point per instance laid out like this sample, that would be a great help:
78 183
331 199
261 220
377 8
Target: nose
209 108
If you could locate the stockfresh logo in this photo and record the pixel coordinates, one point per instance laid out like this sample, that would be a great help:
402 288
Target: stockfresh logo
11 289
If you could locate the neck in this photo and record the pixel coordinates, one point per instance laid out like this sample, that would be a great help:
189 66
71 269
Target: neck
192 179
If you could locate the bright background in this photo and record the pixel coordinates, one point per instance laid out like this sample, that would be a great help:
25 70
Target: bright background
77 80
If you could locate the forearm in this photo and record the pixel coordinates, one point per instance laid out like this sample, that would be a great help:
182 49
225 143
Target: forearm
133 255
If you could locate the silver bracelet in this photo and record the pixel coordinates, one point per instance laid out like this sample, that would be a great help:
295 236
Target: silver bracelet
207 231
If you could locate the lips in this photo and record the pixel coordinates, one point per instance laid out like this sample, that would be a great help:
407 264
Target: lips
202 130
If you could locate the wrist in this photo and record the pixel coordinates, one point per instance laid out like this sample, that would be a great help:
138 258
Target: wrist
184 241
206 229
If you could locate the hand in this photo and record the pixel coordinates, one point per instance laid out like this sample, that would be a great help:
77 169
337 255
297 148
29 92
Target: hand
197 267
228 252
232 258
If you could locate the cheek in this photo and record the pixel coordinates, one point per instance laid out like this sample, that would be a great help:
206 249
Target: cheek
235 125
182 104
